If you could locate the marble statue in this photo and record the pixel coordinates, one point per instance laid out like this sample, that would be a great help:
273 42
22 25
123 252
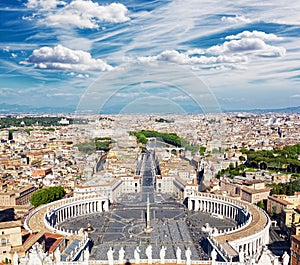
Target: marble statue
213 257
266 257
188 255
110 256
121 255
162 254
86 254
285 258
24 260
137 252
36 255
15 259
57 255
47 260
178 255
149 254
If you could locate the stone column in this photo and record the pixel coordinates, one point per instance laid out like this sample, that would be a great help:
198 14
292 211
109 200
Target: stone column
197 205
251 248
190 204
105 206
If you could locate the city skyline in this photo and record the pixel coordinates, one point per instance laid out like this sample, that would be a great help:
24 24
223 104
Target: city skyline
245 55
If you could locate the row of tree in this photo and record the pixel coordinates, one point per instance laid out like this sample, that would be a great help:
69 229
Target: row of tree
10 121
95 144
288 188
285 159
169 138
140 137
232 171
47 195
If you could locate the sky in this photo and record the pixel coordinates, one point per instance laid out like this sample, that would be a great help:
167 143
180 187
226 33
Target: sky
75 53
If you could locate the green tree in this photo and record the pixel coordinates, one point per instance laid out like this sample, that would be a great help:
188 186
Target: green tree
261 205
242 159
47 195
202 150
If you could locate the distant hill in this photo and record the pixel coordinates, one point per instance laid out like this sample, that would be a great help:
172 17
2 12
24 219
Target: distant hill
18 109
283 110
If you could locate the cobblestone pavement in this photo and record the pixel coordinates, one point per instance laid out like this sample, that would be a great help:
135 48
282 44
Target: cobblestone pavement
172 226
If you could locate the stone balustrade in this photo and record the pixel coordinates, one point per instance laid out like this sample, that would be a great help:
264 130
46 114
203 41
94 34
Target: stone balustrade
251 233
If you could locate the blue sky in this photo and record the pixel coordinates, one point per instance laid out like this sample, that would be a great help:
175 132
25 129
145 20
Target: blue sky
245 53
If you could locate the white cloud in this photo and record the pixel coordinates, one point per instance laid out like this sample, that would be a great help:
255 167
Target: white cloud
85 14
254 34
174 56
63 58
254 45
295 96
180 97
236 19
44 4
62 95
194 51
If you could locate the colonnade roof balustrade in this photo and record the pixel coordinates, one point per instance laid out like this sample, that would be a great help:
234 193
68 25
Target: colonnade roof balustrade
258 223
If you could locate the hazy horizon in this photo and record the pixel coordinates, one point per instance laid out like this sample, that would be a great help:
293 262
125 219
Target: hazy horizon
243 55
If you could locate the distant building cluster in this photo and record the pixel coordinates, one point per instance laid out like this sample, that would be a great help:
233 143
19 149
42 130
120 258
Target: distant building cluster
33 157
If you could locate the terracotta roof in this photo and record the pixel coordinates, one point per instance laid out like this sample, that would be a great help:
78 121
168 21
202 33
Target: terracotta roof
58 239
253 191
280 200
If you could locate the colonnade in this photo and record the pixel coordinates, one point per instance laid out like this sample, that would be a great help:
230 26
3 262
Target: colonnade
254 243
245 244
81 208
74 208
220 207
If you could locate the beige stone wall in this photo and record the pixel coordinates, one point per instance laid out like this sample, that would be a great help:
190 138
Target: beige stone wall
10 236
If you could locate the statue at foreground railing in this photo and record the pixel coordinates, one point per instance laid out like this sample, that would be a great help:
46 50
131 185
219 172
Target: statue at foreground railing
121 255
188 254
149 254
285 258
162 254
213 257
110 256
137 252
178 255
